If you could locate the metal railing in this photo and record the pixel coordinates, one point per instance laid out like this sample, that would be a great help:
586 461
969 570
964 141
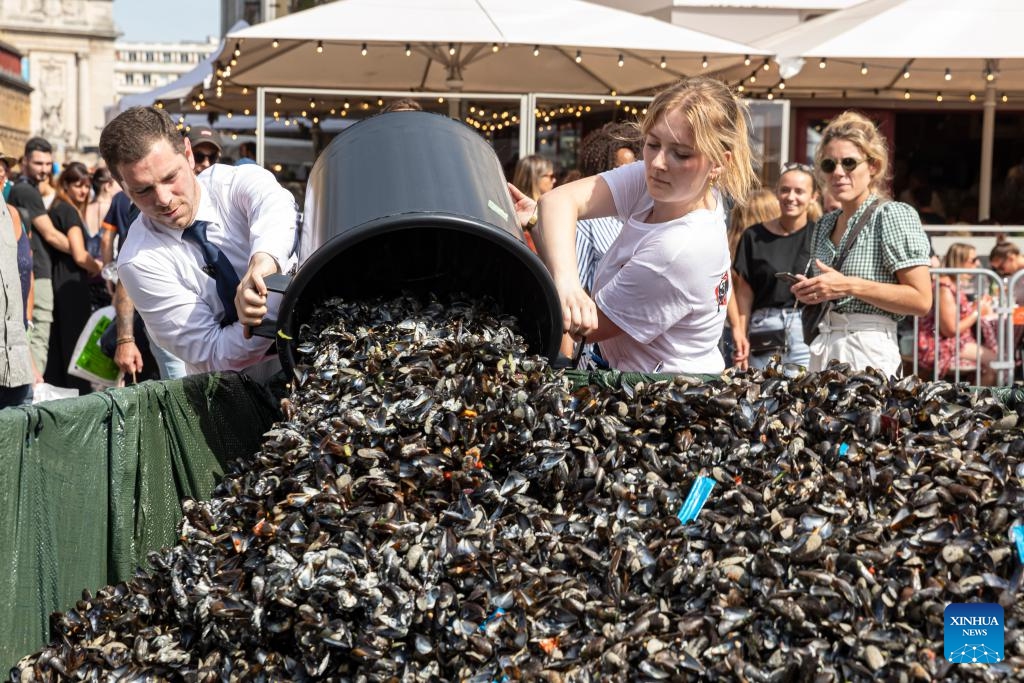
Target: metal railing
983 282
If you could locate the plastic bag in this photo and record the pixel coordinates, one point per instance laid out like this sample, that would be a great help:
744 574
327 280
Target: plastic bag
88 361
47 392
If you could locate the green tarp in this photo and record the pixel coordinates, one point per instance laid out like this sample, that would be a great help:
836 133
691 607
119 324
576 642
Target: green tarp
92 484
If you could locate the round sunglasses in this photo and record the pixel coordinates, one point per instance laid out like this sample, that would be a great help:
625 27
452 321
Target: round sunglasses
848 163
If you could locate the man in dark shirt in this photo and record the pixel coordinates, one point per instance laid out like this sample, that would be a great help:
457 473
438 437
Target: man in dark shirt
36 166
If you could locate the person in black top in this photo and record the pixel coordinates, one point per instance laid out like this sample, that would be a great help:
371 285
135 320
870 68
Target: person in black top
71 273
768 316
36 166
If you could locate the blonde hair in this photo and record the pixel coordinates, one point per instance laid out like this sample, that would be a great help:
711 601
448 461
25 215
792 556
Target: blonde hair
861 131
761 207
956 255
528 173
718 120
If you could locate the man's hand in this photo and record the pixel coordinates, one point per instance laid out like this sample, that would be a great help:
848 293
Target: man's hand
251 295
525 206
128 359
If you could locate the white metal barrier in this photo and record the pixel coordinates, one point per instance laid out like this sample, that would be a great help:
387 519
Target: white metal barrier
983 282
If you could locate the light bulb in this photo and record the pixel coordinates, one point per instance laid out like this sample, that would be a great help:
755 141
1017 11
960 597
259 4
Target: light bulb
362 51
408 50
863 69
766 66
704 62
663 64
536 50
274 43
823 63
579 57
451 49
746 60
622 62
319 47
949 75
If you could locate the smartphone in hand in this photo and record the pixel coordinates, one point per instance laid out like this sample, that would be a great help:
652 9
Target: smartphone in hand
788 278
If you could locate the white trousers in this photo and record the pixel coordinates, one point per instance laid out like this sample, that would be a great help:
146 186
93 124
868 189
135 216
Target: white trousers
862 340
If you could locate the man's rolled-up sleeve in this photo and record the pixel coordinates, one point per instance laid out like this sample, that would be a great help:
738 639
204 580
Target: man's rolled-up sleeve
271 213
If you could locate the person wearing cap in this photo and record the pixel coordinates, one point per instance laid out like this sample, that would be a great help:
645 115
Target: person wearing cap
195 259
206 147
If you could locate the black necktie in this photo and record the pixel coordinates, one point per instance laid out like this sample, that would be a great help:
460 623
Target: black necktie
218 267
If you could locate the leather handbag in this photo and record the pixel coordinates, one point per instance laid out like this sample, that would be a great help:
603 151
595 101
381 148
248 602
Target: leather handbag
812 315
765 342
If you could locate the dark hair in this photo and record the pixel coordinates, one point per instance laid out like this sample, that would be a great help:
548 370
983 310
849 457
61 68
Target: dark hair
598 147
73 173
37 144
247 147
1003 250
133 132
100 177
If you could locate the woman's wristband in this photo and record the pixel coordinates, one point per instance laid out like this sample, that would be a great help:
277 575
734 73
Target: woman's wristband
125 340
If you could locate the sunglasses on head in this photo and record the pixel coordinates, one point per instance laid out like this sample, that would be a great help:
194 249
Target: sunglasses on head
848 163
201 157
797 166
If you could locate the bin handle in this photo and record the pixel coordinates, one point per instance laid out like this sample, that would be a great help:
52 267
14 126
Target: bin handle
278 282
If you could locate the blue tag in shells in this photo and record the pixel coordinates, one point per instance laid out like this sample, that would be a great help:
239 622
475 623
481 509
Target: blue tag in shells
843 448
694 502
496 614
1017 534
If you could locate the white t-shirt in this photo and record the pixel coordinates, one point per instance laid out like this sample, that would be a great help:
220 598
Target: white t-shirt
666 285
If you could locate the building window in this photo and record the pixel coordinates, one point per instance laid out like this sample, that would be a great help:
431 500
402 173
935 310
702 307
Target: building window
145 79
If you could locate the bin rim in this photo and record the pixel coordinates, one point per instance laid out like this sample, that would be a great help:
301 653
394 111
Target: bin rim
311 268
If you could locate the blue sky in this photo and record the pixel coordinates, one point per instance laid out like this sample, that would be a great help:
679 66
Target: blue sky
182 20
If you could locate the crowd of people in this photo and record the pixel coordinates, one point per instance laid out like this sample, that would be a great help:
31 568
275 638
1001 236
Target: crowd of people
178 242
676 262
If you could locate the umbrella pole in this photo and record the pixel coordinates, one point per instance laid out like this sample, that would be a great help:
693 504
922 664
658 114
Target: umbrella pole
261 118
988 127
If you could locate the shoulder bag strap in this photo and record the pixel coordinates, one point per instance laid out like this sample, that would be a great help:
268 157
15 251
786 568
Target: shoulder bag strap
855 232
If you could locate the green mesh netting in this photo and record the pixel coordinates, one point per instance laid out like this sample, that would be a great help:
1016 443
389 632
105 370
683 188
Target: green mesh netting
92 484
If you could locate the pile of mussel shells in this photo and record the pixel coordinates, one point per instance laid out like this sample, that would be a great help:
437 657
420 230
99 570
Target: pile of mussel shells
439 505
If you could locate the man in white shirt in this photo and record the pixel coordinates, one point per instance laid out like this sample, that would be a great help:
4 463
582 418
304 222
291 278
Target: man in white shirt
196 237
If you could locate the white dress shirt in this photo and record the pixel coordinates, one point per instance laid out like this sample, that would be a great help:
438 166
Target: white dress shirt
248 211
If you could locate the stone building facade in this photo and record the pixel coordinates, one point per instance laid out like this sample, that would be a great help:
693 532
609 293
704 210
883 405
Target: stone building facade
68 46
142 66
15 107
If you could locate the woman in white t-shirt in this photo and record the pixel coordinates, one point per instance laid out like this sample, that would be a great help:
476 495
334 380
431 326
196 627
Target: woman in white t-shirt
661 290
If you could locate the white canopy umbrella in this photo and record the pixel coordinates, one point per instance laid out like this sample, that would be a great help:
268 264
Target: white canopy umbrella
559 46
946 50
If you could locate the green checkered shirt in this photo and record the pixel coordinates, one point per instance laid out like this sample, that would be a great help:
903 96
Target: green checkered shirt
891 241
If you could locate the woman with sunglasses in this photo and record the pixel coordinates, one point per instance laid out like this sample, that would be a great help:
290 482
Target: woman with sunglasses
660 292
765 308
884 276
534 176
71 274
958 317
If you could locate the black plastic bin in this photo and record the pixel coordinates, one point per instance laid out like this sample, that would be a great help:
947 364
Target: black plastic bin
415 202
